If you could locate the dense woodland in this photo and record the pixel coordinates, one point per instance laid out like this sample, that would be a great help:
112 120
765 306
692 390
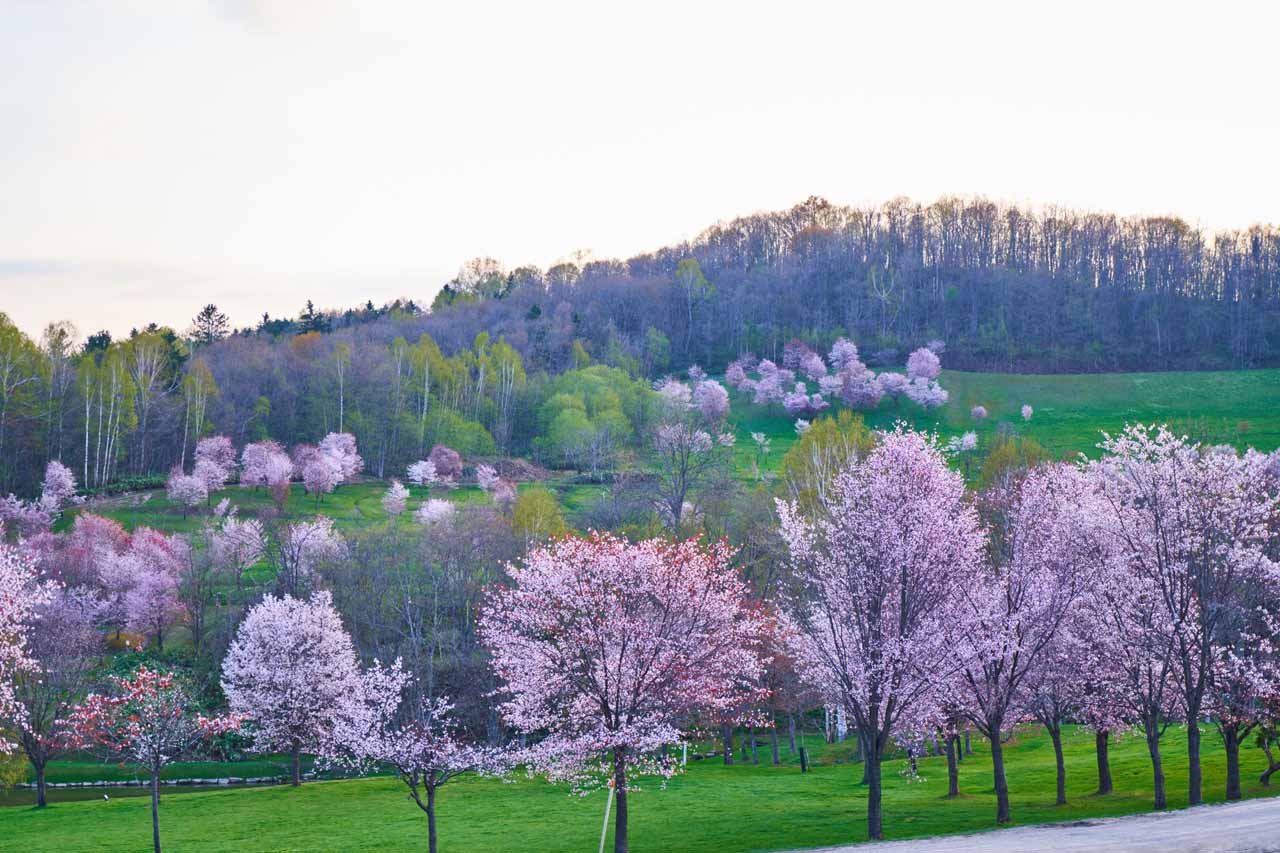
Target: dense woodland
1004 288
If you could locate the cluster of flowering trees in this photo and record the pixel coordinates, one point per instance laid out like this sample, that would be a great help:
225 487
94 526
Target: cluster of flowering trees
842 375
1131 591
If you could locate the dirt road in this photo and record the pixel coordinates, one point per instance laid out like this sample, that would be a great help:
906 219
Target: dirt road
1250 827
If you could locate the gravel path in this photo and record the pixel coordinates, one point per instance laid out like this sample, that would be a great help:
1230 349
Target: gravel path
1249 827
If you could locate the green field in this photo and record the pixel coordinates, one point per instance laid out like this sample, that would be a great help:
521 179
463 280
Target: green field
709 808
1240 408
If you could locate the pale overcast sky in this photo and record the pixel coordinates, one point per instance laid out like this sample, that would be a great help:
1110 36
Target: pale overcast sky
156 156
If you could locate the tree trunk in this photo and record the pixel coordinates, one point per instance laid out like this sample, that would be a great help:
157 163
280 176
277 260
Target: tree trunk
1193 761
968 747
791 732
620 799
1055 734
726 735
773 746
41 787
295 775
755 749
1231 741
953 766
1101 740
871 772
865 749
1157 768
1272 764
431 818
1002 784
155 808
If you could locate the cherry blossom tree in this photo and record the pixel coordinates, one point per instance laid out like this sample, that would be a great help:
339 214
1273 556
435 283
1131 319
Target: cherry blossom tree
978 413
447 461
1046 551
58 488
923 364
688 459
894 385
381 725
255 460
188 490
303 548
486 477
321 475
843 353
236 545
63 646
609 648
435 511
711 400
265 463
894 547
929 395
812 366
215 462
152 602
735 375
422 473
1027 412
148 719
19 600
341 446
288 671
395 499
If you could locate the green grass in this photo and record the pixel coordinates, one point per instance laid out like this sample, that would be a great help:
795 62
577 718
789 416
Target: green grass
1241 408
709 808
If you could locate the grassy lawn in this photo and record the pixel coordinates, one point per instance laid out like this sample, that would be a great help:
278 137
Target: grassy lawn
1241 408
709 808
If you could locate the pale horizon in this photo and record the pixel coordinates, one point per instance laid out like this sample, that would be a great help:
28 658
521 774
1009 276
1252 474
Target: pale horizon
255 155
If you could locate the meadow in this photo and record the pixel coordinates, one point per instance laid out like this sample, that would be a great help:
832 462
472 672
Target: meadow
708 809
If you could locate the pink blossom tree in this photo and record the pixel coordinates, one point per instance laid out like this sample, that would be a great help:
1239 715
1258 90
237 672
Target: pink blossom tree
435 511
1027 412
149 719
926 394
894 385
288 671
978 413
395 499
894 547
380 725
19 598
341 446
813 366
58 488
609 648
64 646
448 462
236 545
321 475
254 461
423 473
187 490
303 549
843 353
711 400
486 477
1047 549
923 364
215 462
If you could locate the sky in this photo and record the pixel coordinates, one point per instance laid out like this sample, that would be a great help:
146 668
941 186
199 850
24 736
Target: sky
158 156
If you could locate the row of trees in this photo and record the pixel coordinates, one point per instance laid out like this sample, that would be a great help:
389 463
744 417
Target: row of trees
1128 593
